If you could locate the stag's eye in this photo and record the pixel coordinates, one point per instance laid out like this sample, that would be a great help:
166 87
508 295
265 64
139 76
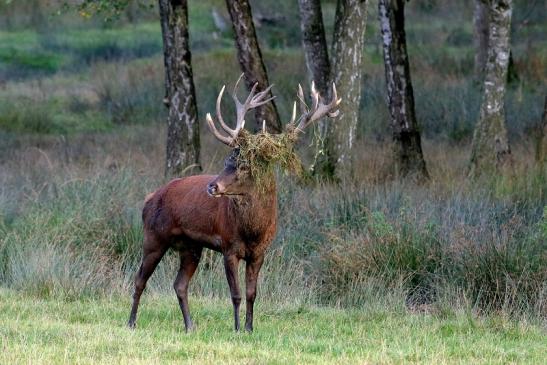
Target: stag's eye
230 163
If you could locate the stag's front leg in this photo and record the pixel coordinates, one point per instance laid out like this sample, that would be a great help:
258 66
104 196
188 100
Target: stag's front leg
251 277
231 263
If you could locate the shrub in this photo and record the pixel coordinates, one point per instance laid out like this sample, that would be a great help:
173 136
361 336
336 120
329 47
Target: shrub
26 117
497 263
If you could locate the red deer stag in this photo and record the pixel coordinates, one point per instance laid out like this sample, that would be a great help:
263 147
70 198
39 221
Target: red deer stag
226 213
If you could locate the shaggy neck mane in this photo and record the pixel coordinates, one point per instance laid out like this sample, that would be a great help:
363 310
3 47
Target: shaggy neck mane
253 210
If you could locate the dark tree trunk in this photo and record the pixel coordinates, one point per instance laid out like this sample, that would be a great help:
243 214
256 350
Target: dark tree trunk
315 44
490 151
183 146
407 148
480 38
250 60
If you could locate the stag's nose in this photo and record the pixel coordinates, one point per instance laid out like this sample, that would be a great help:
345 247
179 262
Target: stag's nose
212 189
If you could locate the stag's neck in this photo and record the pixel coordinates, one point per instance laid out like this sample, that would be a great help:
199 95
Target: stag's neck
256 212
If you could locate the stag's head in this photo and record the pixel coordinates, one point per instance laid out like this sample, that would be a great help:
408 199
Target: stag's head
252 158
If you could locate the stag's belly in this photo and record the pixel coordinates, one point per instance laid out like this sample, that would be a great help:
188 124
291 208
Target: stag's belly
186 238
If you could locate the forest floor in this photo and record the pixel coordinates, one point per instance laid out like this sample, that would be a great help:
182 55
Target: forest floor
93 331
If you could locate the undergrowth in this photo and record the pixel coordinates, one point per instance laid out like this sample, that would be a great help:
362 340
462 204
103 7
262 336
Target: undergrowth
73 233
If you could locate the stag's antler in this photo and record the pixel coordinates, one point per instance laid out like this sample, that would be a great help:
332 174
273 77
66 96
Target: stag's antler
318 109
251 102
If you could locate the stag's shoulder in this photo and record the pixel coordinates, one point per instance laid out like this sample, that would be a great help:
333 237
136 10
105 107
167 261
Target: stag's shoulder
194 180
178 190
188 185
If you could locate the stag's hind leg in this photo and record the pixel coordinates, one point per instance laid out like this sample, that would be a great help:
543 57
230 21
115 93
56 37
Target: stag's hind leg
153 252
189 260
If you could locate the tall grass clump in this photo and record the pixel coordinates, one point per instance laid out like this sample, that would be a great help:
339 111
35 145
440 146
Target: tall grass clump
26 117
130 94
493 250
71 238
79 234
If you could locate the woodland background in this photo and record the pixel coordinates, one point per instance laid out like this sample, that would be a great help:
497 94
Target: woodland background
83 140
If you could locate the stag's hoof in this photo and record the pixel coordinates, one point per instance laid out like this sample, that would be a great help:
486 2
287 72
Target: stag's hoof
131 325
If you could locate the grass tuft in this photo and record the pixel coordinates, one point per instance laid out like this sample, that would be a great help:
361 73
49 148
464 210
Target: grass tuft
262 152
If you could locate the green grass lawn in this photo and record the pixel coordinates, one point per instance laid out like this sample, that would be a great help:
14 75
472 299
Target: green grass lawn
92 331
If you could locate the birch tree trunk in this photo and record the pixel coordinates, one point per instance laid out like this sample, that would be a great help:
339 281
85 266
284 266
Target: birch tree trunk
317 61
250 60
407 148
480 38
183 146
347 62
490 151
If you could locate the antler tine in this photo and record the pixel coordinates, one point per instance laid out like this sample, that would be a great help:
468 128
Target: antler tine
224 139
303 105
241 109
252 95
314 96
318 110
293 116
259 100
258 97
224 126
237 84
338 101
253 100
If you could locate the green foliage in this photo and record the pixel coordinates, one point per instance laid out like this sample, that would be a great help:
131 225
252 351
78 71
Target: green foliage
39 117
40 61
14 117
109 10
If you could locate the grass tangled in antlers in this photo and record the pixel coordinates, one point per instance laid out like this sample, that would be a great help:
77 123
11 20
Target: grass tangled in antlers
263 151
